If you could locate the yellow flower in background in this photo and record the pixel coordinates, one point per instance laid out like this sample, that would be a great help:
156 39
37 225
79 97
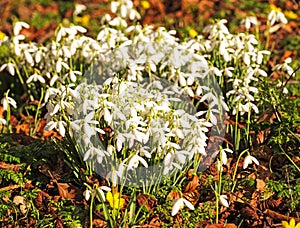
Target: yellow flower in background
193 33
145 4
292 224
115 200
2 35
84 20
290 14
273 7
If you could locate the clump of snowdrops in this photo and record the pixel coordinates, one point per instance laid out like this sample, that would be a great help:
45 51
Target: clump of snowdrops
147 88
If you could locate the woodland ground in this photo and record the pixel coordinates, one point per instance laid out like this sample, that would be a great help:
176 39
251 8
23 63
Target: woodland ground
34 166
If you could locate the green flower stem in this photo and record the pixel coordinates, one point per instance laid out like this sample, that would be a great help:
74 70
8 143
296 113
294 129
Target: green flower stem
91 208
8 113
236 130
32 132
235 169
289 158
248 126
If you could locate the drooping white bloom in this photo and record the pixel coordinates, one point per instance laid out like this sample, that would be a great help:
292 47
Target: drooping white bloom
2 121
223 200
79 8
249 160
101 190
60 64
35 77
19 25
95 152
285 66
72 74
248 21
224 155
134 162
179 204
87 194
6 101
71 31
10 68
276 16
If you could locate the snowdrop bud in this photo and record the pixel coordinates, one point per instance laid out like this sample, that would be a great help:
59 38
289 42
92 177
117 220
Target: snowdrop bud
107 116
28 58
3 121
110 149
61 128
123 11
223 200
114 7
182 80
87 194
246 59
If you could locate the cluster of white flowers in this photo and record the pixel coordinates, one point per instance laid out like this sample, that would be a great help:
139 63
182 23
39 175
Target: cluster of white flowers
140 82
147 126
132 54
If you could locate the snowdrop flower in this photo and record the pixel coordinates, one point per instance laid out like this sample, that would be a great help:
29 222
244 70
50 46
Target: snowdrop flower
259 56
70 30
116 173
247 108
19 26
72 74
100 191
284 89
7 101
169 159
179 203
35 77
228 71
223 200
276 16
118 21
285 66
114 6
59 125
2 121
87 193
249 160
10 68
224 155
79 8
61 128
95 152
248 21
134 162
60 64
28 56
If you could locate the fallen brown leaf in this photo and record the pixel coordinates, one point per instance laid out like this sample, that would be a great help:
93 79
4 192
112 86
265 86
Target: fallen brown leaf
146 200
99 223
261 185
69 191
